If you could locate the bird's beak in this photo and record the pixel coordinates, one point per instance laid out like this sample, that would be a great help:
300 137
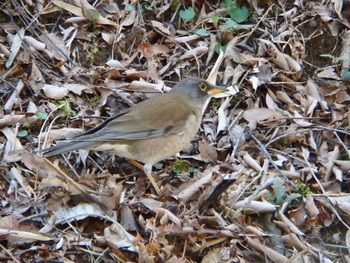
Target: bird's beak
217 89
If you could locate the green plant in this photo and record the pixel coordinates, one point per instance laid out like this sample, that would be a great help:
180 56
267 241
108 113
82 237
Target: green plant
202 32
41 115
93 101
215 20
302 188
218 47
187 14
128 8
229 19
180 166
279 194
22 133
344 156
175 4
345 74
238 14
92 51
65 105
334 58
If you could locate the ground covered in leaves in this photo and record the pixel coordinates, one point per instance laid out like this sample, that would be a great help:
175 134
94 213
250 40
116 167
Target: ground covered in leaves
264 180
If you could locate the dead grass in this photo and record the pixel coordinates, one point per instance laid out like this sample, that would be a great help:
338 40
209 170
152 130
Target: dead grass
264 180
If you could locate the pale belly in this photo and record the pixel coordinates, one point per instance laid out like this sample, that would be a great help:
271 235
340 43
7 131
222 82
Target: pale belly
153 150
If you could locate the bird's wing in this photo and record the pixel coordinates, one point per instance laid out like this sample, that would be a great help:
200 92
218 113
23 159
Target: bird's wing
145 120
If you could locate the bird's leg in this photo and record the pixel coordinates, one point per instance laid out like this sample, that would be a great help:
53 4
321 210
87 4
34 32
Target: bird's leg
148 171
135 163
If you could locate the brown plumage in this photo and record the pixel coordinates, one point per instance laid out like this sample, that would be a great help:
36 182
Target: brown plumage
150 131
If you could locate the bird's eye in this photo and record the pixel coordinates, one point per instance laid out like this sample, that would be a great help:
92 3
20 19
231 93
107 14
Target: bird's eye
202 86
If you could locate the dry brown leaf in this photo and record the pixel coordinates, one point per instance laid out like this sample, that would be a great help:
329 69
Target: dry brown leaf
254 207
207 152
259 114
25 235
117 236
194 53
55 92
185 195
68 7
266 251
159 26
65 214
282 60
15 46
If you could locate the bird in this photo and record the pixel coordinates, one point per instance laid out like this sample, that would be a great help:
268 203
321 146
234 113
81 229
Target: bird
149 131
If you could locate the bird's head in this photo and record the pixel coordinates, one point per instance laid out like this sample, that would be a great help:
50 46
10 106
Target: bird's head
197 89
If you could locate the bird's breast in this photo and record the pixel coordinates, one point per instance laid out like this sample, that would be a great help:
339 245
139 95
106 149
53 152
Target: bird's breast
153 150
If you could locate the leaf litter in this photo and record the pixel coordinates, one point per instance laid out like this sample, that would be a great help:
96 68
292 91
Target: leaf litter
265 179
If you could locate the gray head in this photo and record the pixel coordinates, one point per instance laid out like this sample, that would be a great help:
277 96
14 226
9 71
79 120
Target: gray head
197 89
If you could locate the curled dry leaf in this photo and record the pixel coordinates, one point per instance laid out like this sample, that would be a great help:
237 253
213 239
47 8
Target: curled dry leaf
328 73
14 98
347 239
34 43
65 214
251 162
12 145
185 39
16 45
129 19
270 253
207 152
55 91
77 88
344 165
194 53
282 60
288 222
160 27
254 207
21 180
127 219
12 119
108 37
259 114
151 204
25 235
166 216
68 7
311 207
55 46
185 195
117 236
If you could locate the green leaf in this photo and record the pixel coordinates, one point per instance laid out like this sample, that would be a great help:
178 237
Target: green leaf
22 133
202 32
92 14
327 56
187 14
218 47
41 115
345 74
191 169
229 24
343 59
214 19
179 166
128 8
149 7
291 197
239 14
227 4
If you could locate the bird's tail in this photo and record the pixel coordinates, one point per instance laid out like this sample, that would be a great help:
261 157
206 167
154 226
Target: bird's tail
63 147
